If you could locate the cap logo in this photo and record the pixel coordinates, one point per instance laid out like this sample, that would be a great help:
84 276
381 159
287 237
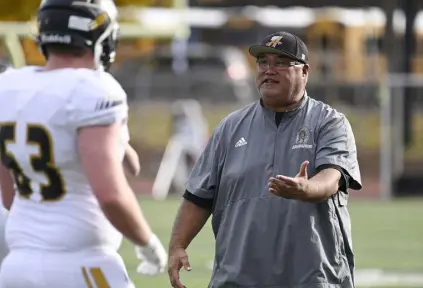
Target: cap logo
274 41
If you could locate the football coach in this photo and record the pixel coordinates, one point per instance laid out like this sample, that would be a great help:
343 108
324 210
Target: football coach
275 177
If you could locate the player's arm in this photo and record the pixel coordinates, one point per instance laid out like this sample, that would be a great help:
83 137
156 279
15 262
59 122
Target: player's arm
7 187
131 161
97 147
100 122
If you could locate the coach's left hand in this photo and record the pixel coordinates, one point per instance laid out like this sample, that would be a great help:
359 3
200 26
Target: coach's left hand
290 187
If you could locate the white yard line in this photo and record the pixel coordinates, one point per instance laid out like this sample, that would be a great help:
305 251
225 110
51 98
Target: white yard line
376 277
368 278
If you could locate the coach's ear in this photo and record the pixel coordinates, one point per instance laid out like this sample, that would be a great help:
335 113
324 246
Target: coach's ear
306 68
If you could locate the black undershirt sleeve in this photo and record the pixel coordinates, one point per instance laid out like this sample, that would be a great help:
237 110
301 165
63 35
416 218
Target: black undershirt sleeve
200 202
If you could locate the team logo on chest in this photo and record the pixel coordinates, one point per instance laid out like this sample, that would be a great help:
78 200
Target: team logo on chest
302 139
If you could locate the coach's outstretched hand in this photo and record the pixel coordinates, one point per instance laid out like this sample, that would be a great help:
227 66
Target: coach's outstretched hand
153 256
178 258
290 187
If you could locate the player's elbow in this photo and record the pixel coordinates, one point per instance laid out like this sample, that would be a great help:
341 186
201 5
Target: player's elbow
108 183
106 197
109 188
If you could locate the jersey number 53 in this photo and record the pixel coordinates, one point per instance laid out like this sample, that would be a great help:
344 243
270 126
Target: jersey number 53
42 162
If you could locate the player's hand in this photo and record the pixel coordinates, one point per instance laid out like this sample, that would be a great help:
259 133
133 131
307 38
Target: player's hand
178 258
290 187
153 256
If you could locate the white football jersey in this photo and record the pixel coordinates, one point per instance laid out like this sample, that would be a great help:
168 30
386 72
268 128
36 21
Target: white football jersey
40 113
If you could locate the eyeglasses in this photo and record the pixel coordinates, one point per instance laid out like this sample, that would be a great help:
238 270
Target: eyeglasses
278 64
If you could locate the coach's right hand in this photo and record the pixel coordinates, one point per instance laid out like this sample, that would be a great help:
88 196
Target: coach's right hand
178 258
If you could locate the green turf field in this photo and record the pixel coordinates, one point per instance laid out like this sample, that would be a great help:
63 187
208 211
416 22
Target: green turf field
387 235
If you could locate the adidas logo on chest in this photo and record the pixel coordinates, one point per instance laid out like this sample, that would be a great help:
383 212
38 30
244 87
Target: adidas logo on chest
241 142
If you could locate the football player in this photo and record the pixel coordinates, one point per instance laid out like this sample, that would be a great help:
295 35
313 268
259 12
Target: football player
63 138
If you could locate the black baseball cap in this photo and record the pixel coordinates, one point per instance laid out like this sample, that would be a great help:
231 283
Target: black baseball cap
282 43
